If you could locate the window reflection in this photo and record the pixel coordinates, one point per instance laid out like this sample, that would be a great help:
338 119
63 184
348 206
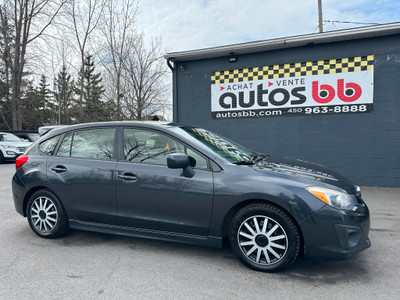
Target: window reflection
143 146
93 143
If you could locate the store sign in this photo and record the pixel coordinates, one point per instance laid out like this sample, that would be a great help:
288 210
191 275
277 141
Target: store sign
310 88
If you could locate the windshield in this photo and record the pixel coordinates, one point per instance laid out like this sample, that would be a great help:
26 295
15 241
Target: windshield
9 138
225 148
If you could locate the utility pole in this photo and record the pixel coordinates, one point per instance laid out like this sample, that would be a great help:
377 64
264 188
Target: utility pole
56 87
59 101
320 25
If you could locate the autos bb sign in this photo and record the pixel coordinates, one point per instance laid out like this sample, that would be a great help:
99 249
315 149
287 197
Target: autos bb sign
308 88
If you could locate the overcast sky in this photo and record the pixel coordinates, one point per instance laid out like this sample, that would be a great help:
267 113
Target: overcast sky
194 24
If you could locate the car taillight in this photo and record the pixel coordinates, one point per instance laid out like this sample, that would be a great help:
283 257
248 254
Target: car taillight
20 161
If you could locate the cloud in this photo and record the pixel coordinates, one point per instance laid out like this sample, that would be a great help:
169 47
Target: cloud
185 24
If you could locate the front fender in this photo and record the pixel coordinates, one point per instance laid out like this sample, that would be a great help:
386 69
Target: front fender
232 192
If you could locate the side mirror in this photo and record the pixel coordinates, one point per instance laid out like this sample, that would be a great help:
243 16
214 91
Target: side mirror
180 161
192 161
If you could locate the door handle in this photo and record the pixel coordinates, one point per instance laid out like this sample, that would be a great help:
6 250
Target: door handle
59 169
128 177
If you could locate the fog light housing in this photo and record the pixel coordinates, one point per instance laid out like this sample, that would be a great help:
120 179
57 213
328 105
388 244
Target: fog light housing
349 236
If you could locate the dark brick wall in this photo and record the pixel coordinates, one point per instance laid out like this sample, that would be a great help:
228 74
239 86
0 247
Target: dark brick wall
364 147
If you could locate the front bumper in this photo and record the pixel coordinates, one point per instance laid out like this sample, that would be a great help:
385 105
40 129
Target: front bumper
334 233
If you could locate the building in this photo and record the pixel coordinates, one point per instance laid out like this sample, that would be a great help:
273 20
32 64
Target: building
332 98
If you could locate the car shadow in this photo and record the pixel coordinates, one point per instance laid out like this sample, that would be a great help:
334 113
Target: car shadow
306 270
332 271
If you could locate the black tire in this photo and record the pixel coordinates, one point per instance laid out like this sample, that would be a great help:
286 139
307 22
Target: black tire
2 160
269 248
46 215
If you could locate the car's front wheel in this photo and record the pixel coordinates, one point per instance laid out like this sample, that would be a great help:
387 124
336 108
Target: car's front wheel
264 237
46 215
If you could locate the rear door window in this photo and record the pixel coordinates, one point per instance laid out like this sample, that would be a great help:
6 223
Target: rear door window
65 147
91 143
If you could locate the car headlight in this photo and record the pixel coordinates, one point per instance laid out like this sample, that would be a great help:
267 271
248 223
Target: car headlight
334 198
7 146
358 191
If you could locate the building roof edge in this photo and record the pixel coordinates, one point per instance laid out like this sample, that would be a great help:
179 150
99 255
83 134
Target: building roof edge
287 42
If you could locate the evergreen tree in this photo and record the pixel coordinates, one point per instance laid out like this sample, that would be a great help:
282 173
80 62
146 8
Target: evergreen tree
94 108
45 97
5 112
7 39
66 90
31 108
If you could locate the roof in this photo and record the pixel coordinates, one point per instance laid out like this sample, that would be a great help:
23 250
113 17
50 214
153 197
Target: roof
58 129
287 42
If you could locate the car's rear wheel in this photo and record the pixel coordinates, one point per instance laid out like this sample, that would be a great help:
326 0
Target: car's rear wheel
264 237
46 215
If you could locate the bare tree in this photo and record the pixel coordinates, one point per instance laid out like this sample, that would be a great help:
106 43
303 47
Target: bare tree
118 27
144 74
30 19
85 17
135 73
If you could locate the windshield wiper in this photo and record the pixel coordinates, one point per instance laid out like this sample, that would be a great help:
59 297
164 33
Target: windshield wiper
257 157
244 162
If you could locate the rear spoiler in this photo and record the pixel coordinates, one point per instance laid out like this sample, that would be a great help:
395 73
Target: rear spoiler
45 129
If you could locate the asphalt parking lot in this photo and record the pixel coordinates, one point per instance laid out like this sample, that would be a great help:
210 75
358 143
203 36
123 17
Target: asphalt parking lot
85 265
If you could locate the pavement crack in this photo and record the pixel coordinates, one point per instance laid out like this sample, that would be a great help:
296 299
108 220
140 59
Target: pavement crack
114 267
104 285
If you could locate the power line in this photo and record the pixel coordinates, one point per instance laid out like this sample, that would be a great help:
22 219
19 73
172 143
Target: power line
348 22
343 22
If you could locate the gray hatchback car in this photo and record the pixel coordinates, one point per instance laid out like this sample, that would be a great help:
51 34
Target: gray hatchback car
188 184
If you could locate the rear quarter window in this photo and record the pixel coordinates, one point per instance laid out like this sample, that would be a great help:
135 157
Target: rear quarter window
47 147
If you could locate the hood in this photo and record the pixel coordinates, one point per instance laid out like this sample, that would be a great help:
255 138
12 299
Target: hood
304 169
17 144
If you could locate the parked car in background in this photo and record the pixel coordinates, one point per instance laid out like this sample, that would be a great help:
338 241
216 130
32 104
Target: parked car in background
27 135
188 184
11 146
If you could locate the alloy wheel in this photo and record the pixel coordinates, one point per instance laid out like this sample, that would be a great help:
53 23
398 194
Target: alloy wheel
43 214
262 240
